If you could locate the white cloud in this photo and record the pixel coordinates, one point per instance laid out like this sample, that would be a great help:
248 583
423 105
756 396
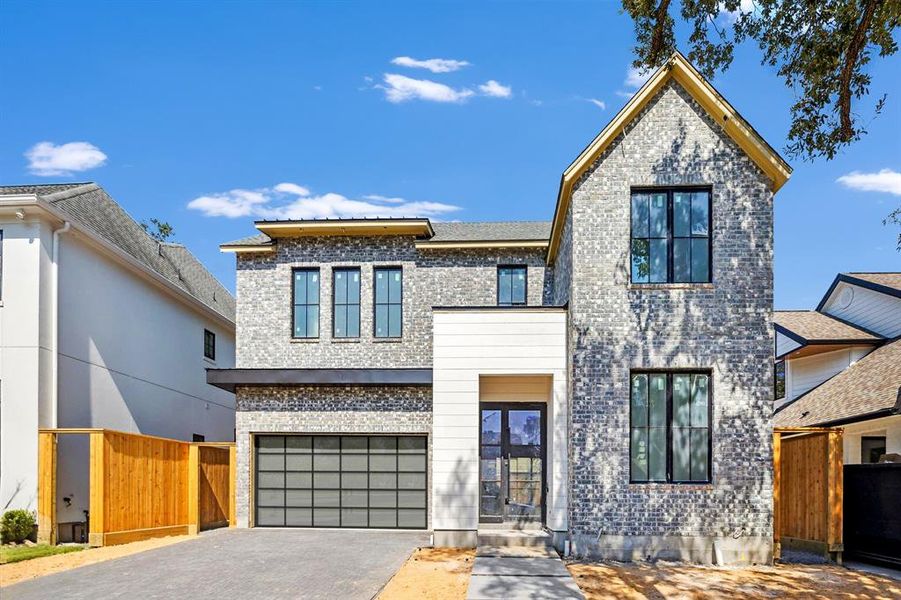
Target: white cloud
47 159
496 90
399 88
731 16
284 201
636 78
435 65
885 180
599 103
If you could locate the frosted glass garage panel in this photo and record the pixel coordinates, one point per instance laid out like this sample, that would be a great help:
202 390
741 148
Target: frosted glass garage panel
341 481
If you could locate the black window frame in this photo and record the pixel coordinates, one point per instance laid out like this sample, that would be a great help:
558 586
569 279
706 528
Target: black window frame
345 305
670 234
198 438
776 367
525 299
669 425
376 303
209 344
294 304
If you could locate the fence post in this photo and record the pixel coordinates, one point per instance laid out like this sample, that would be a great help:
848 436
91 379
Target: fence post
97 501
777 490
232 477
193 489
46 488
834 504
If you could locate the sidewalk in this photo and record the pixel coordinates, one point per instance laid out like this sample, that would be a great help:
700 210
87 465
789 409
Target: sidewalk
517 573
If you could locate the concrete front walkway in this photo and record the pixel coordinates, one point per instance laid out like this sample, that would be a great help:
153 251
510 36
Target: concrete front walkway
240 563
520 573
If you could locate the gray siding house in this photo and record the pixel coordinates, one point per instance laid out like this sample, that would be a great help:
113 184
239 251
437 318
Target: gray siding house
604 377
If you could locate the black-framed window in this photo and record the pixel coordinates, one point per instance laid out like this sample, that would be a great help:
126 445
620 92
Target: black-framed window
779 380
306 303
196 437
388 304
670 415
512 282
346 302
872 447
670 236
209 344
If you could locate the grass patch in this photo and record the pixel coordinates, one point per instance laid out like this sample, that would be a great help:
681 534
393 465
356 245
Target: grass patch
12 554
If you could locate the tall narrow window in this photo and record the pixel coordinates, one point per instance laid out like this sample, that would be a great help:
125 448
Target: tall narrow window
306 303
779 380
671 236
388 302
209 344
511 285
346 303
670 428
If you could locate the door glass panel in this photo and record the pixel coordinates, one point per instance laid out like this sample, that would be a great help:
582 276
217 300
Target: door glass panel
525 427
525 486
491 427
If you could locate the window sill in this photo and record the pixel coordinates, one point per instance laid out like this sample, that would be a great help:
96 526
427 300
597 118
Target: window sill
670 286
672 487
387 340
209 361
304 340
335 340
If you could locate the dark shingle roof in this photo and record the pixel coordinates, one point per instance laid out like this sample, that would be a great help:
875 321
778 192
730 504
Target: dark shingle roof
816 326
89 206
260 239
870 385
491 231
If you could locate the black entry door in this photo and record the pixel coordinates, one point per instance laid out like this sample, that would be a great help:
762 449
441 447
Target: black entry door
512 462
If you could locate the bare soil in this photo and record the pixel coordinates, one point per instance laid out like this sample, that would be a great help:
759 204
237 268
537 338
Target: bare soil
29 569
602 581
432 574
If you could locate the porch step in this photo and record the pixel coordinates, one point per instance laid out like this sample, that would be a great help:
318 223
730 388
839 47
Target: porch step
501 538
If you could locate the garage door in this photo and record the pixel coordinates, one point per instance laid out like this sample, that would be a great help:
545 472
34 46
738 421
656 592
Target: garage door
340 481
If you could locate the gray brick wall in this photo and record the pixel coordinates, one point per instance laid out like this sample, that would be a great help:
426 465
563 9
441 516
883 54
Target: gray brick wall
340 409
723 326
431 278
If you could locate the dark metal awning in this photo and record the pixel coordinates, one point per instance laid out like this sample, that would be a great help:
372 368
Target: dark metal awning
228 379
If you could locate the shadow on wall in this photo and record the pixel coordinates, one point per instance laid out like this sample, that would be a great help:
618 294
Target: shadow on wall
724 328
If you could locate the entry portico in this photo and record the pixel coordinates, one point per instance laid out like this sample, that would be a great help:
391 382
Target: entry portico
500 424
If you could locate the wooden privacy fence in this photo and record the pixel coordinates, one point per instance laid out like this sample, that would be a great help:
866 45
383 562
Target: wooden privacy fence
142 486
807 489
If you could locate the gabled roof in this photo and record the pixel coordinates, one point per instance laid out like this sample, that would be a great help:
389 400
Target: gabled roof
90 207
868 389
680 70
886 283
810 326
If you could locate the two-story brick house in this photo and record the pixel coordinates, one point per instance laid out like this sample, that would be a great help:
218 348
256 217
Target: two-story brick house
604 376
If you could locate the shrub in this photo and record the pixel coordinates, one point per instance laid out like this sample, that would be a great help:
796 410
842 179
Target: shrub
16 526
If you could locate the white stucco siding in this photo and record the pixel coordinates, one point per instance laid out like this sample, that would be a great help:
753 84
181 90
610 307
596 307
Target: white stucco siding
867 308
888 427
131 355
471 344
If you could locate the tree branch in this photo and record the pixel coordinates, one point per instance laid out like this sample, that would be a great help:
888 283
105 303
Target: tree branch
657 45
846 129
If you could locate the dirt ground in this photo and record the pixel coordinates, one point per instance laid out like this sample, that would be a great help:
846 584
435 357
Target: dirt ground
664 580
432 574
29 569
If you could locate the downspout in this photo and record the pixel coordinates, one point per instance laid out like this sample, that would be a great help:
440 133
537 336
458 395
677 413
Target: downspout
54 318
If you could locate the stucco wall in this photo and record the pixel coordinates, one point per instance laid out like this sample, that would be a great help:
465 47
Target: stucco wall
723 326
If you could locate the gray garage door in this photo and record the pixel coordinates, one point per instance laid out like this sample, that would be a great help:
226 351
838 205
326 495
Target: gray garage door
340 481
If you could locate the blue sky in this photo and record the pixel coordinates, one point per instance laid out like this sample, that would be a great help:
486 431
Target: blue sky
187 102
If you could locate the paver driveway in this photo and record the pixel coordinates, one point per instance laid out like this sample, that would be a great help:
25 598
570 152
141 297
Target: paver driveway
240 563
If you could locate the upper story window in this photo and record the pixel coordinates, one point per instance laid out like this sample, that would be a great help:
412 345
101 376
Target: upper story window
671 236
209 344
779 380
346 303
306 303
670 427
511 285
388 302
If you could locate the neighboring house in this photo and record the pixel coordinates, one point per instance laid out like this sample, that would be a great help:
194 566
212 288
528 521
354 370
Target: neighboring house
604 376
100 326
841 364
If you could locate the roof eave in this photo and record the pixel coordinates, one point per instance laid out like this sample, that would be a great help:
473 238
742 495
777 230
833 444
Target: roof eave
429 245
417 227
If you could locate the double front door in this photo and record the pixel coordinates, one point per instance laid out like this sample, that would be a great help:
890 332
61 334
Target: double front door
511 462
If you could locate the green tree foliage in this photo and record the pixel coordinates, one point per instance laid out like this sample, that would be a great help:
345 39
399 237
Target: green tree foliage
820 48
161 231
